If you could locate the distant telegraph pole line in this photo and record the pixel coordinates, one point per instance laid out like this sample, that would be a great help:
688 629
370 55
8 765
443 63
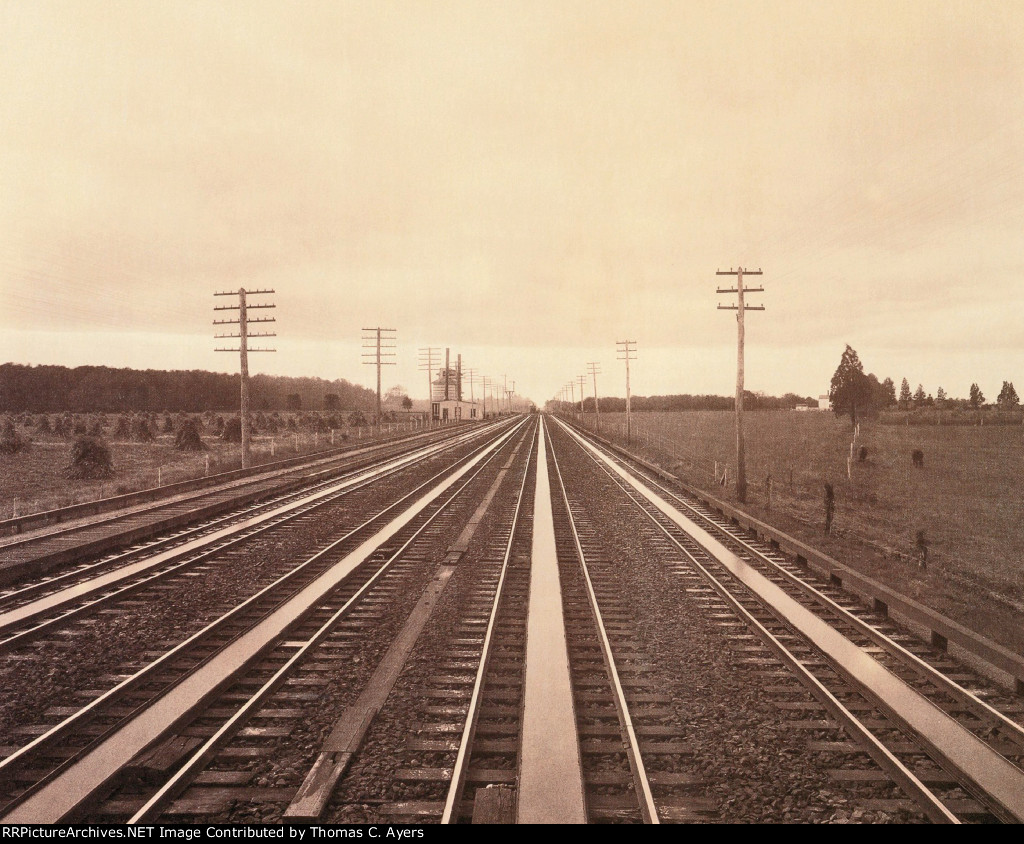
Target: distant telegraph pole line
740 307
243 322
626 350
428 363
594 369
379 341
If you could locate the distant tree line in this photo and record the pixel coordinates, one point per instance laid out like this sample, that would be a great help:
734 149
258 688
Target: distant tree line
855 393
90 389
751 401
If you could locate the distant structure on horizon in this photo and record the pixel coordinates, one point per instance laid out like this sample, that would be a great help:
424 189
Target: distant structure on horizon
824 403
446 402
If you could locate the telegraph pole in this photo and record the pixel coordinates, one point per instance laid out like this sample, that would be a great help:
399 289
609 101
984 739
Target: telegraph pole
572 393
594 369
243 335
504 391
379 341
472 377
627 351
485 397
509 394
428 363
740 307
581 380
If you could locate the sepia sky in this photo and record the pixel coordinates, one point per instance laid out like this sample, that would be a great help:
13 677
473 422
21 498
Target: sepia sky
525 182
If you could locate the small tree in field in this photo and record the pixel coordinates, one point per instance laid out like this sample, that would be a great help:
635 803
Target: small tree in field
90 460
919 396
406 403
976 397
940 398
1008 396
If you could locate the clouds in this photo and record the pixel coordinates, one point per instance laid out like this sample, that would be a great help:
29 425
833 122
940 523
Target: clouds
498 175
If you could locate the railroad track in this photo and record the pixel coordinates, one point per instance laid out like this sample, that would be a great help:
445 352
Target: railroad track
881 694
636 766
68 770
36 609
55 547
456 715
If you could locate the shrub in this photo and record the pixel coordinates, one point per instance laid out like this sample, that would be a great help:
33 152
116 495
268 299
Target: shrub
141 432
10 441
232 432
918 458
123 427
862 455
43 425
168 424
187 438
356 419
90 460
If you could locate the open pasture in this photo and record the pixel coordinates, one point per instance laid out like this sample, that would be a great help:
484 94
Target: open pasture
967 498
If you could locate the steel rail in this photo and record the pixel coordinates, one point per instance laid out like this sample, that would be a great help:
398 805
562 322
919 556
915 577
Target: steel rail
210 485
461 766
346 467
641 782
232 536
900 773
894 648
180 780
67 726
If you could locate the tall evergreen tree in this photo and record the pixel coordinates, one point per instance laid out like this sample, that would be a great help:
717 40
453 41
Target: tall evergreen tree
890 392
904 394
1008 396
850 389
977 398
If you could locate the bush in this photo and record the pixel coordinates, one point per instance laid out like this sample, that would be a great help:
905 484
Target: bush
141 432
123 427
918 458
232 432
862 455
43 425
168 424
90 460
187 438
10 441
356 419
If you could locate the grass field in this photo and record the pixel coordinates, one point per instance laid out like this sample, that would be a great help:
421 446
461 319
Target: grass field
33 480
968 498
